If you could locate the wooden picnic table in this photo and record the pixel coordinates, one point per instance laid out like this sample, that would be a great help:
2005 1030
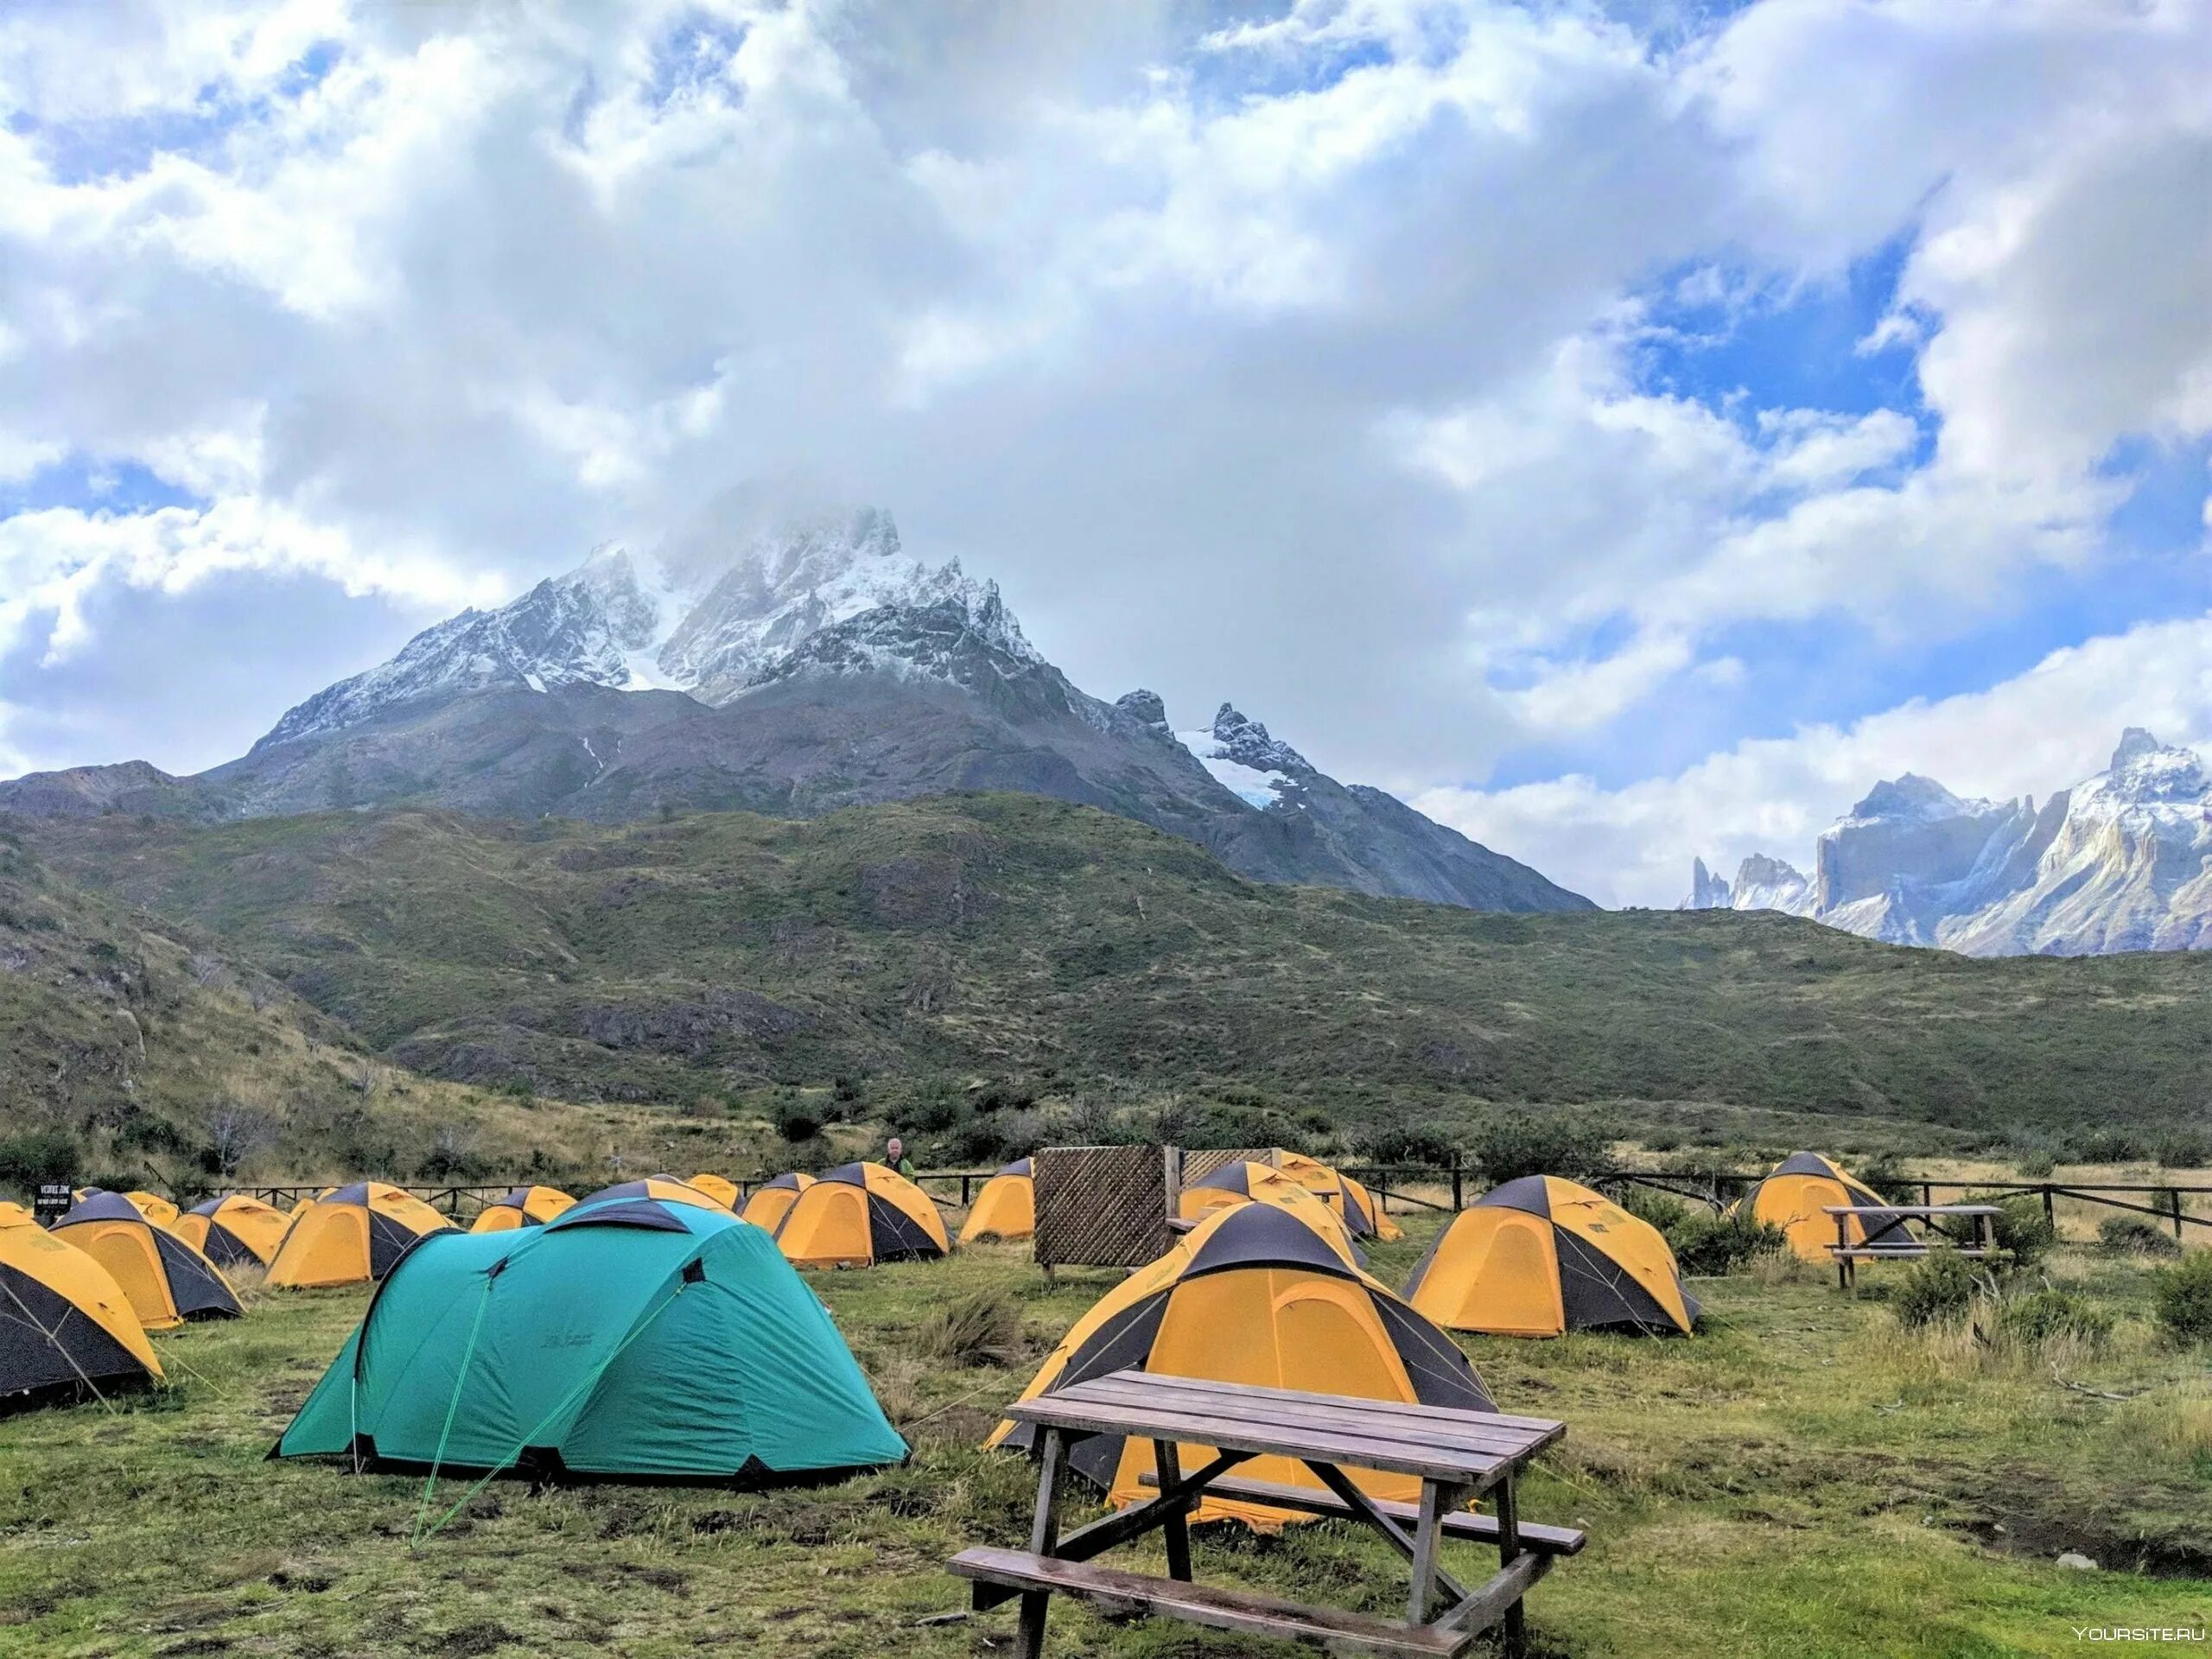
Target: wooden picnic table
1457 1455
1978 1241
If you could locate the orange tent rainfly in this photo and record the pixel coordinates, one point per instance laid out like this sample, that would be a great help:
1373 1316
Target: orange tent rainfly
1795 1198
722 1192
526 1206
65 1325
1250 1182
233 1230
152 1205
859 1214
1355 1206
665 1189
1006 1208
772 1200
1253 1296
166 1281
351 1234
1540 1256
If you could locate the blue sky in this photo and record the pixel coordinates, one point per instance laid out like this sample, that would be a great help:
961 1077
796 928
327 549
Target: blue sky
1628 431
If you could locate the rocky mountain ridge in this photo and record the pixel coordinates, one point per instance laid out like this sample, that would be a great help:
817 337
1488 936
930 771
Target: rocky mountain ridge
2120 862
791 666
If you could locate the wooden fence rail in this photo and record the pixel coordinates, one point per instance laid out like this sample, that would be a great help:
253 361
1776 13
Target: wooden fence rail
1390 1185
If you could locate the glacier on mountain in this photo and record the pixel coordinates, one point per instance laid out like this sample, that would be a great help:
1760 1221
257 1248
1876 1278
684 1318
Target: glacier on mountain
2120 862
1246 761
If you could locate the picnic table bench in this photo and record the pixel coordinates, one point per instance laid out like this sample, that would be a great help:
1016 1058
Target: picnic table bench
1457 1455
1978 1240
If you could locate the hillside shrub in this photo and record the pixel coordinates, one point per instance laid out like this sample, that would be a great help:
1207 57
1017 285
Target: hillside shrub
39 1155
1706 1245
1562 1143
2020 1226
1936 1290
1429 1145
2104 1146
1669 1214
795 1121
2184 1150
2133 1235
2181 1298
2047 1315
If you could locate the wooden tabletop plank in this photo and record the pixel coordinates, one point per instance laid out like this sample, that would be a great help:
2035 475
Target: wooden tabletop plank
1253 1391
1082 1408
1390 1456
1378 1424
1424 1425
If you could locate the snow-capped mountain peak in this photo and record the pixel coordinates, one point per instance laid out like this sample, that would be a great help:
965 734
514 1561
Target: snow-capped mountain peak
724 605
1244 759
2120 862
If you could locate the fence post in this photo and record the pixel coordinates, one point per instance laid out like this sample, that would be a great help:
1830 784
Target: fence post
963 1191
1927 1195
2176 1198
2049 1209
1459 1183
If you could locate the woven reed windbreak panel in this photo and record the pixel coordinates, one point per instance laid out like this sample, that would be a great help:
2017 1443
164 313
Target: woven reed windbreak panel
1100 1206
1197 1166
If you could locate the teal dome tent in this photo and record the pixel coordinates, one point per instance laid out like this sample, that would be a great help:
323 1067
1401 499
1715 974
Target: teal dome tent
629 1337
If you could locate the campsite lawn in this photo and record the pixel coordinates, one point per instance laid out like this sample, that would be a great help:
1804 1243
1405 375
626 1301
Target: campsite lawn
1801 1480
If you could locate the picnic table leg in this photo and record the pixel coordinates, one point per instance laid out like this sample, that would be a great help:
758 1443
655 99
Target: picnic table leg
1509 1549
1842 1243
1177 1528
1044 1533
1424 1588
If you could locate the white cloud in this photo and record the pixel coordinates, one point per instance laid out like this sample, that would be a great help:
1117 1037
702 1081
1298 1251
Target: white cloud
1246 373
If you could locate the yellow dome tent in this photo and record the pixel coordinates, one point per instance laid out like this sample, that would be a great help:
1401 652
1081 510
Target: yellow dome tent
772 1200
1355 1206
1540 1256
1006 1208
351 1234
1250 1182
857 1215
665 1189
1795 1197
166 1281
1253 1296
723 1192
156 1208
64 1324
526 1206
231 1231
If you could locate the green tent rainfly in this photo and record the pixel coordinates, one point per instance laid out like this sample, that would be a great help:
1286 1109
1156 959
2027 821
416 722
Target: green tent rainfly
632 1336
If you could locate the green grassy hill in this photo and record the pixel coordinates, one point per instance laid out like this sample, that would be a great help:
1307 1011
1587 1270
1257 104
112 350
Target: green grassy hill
137 1050
1065 951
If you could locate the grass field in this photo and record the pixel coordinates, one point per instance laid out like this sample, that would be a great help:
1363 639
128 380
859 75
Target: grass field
1803 1478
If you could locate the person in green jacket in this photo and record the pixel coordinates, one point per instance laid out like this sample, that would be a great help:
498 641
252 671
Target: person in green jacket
895 1155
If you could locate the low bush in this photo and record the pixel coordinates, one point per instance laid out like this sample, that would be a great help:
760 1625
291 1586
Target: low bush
2181 1298
1559 1143
2021 1227
795 1122
1426 1144
2184 1150
39 1155
1936 1290
2133 1235
1706 1245
1669 1214
2044 1315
